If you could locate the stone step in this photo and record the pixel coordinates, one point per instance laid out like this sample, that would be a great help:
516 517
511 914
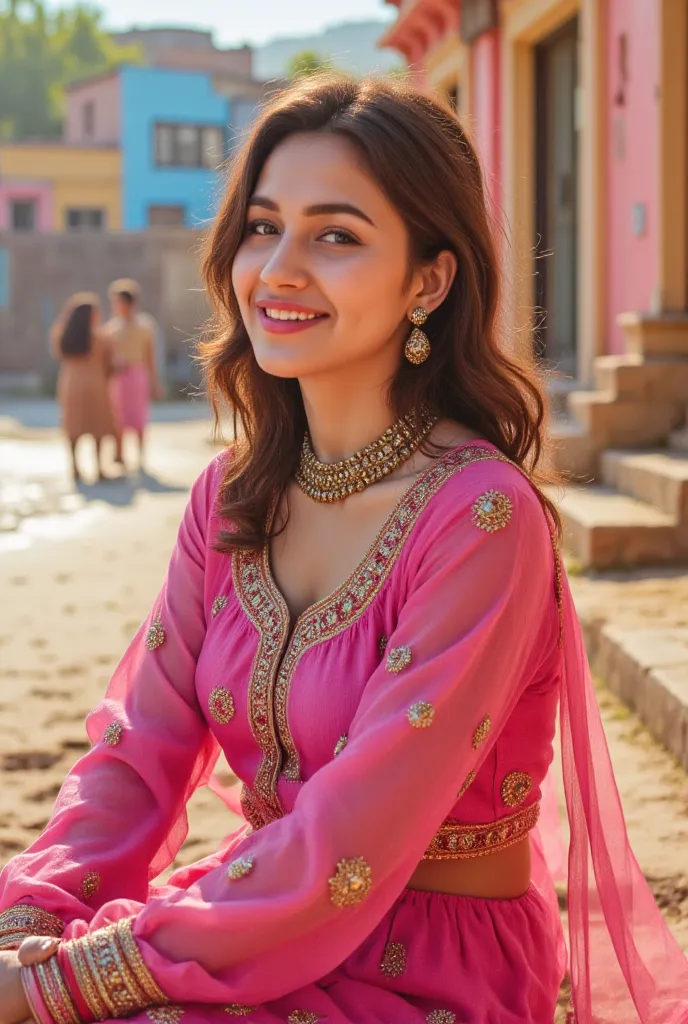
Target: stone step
663 335
634 376
658 478
624 422
604 529
648 670
559 389
571 452
678 440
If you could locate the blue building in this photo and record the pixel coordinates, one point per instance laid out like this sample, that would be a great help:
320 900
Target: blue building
174 128
174 137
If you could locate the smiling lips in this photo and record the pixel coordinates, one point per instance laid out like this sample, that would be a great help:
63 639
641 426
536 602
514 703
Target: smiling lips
284 318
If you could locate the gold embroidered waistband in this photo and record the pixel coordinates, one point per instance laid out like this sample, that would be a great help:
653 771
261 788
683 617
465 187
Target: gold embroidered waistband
456 841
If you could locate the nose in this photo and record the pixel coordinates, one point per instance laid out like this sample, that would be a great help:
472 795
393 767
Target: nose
285 267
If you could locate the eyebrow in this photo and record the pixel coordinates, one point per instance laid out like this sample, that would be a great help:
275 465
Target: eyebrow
317 210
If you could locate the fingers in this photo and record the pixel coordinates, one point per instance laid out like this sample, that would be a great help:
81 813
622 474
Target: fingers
37 949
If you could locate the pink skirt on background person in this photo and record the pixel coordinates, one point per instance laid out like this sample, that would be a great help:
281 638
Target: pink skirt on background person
130 397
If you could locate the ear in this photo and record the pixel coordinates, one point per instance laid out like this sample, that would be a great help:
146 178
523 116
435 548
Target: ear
432 282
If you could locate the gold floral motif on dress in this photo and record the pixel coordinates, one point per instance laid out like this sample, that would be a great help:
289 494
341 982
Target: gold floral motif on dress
421 714
23 921
456 841
113 734
482 732
221 705
393 960
492 511
236 1010
240 867
382 645
341 743
352 882
111 974
165 1014
275 659
515 788
155 637
219 604
468 781
441 1017
90 885
398 659
303 1017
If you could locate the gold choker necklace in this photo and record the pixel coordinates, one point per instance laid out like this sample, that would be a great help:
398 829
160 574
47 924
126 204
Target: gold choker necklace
328 482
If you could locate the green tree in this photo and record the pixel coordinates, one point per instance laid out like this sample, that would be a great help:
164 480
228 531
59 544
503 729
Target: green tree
308 62
40 54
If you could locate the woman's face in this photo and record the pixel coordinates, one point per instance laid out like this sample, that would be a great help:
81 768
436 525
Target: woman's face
321 276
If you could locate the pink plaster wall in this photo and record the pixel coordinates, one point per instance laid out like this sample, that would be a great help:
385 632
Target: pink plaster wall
486 119
632 165
39 192
104 93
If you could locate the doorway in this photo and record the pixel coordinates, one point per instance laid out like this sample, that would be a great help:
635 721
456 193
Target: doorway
556 204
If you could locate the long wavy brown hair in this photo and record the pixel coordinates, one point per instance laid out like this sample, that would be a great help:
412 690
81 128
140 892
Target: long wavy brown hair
420 156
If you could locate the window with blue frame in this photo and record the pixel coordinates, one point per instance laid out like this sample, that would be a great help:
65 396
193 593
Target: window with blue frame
189 145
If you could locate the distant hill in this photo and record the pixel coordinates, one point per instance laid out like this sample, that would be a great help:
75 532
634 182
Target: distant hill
351 47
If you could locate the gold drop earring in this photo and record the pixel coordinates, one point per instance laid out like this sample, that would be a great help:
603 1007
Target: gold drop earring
417 348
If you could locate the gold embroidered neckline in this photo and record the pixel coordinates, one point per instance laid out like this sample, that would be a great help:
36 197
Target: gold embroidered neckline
280 647
486 449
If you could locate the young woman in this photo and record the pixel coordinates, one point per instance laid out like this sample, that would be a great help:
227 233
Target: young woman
366 611
131 336
82 388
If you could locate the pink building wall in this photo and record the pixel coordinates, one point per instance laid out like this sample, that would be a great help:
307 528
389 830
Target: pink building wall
486 118
104 94
39 192
632 165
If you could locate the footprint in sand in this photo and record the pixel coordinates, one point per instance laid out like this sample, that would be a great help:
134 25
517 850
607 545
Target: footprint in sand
18 581
63 577
43 693
68 609
29 760
38 642
71 670
40 795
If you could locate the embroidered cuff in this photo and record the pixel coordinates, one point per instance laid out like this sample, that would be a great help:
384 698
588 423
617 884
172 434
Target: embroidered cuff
24 920
96 978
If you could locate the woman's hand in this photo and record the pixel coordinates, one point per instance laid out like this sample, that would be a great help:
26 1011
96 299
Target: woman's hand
14 1008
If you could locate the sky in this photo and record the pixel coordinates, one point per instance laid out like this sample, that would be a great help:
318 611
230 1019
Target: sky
239 21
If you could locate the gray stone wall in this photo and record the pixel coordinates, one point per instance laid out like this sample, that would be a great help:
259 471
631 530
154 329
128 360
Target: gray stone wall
42 271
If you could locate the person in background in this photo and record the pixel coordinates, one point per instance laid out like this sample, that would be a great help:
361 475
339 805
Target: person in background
82 390
131 337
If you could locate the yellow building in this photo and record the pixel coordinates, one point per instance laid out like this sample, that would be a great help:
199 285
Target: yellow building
51 186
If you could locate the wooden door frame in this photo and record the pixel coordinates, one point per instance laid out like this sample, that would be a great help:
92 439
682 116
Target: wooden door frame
541 142
526 23
673 157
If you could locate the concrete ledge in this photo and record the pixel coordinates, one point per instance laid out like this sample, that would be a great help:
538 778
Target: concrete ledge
648 670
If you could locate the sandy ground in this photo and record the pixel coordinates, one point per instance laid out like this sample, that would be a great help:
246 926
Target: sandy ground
76 583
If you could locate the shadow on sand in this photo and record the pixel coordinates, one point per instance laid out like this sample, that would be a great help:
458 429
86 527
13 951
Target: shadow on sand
121 491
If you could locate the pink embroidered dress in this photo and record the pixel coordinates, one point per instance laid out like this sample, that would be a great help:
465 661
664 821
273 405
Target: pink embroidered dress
409 715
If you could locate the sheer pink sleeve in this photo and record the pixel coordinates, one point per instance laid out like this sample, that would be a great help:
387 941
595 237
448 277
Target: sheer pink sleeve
302 893
120 816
